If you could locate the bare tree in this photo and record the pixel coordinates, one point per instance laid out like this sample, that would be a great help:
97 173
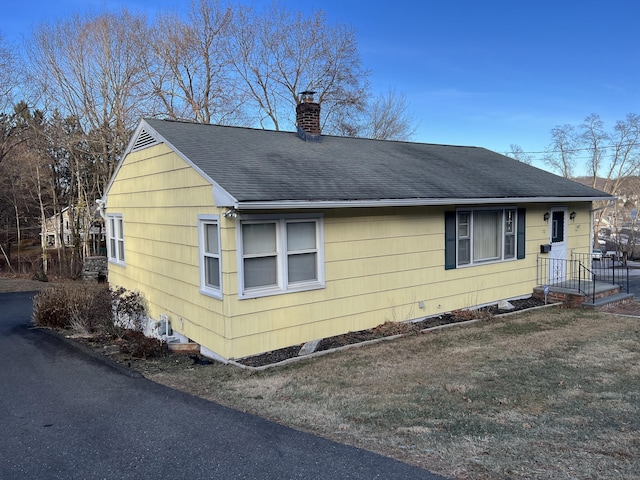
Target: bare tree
610 159
18 186
386 117
615 157
623 153
10 79
563 149
595 141
277 54
89 68
517 153
189 72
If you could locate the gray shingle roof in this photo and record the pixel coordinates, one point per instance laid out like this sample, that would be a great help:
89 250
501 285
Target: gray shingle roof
267 166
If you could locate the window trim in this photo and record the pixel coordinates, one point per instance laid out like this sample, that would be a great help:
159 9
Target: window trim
116 257
203 221
452 236
282 255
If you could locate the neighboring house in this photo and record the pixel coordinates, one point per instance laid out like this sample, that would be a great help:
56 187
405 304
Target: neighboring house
252 240
58 226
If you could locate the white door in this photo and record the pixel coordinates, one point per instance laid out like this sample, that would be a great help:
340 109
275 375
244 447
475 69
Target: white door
558 241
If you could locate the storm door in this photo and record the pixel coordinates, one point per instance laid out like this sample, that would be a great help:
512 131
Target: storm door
558 240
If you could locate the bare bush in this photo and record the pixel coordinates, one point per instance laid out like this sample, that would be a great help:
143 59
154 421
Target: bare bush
129 309
138 345
89 309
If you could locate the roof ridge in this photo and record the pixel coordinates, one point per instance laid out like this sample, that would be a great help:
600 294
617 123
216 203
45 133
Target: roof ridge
256 129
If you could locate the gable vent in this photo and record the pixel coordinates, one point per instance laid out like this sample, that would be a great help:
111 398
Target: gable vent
144 140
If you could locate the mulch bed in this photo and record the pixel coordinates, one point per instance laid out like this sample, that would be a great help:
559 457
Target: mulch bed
387 329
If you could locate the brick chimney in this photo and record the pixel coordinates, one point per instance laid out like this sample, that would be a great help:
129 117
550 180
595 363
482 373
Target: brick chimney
308 118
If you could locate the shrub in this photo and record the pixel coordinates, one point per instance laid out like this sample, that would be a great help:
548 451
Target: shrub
469 314
138 345
395 328
84 307
88 308
129 309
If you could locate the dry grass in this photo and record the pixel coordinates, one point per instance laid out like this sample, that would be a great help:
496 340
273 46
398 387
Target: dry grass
546 394
22 283
550 394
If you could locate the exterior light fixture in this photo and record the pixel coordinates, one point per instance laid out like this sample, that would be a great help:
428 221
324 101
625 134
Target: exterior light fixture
572 216
231 213
546 216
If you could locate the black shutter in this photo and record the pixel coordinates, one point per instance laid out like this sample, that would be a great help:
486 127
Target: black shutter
449 240
522 228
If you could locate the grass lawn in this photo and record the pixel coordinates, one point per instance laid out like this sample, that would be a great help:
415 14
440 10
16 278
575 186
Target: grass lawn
551 393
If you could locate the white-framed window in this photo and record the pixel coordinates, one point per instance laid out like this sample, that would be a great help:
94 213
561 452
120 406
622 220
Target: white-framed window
210 255
115 232
486 235
280 254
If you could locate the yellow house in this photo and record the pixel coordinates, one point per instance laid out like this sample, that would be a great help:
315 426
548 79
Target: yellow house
251 240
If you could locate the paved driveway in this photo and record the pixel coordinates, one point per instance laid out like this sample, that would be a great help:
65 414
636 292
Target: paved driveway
68 416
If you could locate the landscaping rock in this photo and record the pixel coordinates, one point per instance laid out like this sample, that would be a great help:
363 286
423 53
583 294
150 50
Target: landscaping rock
504 305
309 347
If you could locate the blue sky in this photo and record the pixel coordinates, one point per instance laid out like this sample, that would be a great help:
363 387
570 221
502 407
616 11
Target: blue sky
488 74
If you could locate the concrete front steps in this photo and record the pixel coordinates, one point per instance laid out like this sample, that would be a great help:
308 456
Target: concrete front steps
570 294
609 300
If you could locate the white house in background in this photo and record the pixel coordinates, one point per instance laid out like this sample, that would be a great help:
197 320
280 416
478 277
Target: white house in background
57 230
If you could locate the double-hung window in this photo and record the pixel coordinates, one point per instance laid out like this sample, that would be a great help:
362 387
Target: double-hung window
280 254
116 238
482 235
210 264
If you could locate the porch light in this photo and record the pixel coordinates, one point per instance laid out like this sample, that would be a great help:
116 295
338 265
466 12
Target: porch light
572 216
546 216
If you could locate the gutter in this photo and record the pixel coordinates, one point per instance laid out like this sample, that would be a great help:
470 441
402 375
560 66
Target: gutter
400 202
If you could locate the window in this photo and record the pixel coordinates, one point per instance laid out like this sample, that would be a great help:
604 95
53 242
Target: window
116 238
557 226
475 236
210 265
279 255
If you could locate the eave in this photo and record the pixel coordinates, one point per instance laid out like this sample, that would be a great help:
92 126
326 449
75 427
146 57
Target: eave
401 202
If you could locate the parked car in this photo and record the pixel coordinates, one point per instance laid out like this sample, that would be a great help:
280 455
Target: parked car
614 254
597 254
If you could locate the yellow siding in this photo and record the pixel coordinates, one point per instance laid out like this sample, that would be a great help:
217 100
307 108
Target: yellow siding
160 197
380 264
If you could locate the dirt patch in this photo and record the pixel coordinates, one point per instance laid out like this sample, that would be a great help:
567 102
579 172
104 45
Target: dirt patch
386 330
24 283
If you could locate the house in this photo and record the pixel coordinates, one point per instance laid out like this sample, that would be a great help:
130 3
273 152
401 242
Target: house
58 230
251 240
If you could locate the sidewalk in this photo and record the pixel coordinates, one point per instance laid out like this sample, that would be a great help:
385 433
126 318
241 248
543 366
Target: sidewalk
630 309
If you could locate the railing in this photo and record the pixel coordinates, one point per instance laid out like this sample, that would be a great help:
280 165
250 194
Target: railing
571 274
576 274
606 269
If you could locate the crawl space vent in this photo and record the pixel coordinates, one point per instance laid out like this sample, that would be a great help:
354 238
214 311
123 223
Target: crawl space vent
144 140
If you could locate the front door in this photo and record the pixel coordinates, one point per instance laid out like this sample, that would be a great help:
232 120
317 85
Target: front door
558 240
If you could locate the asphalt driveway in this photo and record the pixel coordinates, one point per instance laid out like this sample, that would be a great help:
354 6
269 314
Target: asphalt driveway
67 415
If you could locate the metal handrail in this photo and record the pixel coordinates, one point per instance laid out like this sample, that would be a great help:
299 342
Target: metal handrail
611 270
574 273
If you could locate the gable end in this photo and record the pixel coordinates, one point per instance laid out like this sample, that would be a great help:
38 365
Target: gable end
144 140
